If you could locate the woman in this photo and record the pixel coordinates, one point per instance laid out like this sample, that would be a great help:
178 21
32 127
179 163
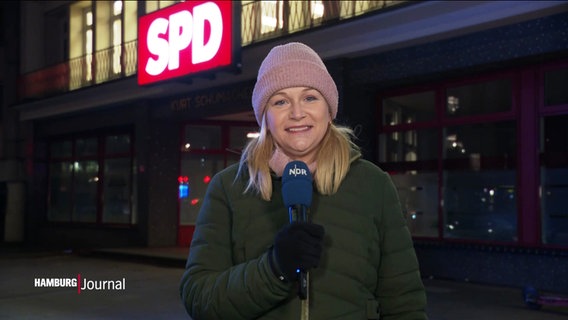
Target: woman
357 248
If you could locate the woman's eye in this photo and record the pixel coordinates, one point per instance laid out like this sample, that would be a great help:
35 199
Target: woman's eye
279 102
311 98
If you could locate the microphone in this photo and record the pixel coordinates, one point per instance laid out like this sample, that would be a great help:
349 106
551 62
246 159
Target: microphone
297 190
297 195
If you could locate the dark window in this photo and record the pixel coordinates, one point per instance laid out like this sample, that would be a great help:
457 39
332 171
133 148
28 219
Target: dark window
453 158
91 179
479 182
554 179
555 84
479 98
409 108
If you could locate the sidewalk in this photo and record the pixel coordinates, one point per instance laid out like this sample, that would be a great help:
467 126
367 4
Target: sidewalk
447 299
153 274
170 256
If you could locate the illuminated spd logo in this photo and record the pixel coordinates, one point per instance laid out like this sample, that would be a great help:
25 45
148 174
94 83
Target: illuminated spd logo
185 38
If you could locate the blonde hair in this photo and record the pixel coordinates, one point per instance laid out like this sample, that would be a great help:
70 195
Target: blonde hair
333 160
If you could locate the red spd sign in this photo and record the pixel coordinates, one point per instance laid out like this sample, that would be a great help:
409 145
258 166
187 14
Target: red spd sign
186 38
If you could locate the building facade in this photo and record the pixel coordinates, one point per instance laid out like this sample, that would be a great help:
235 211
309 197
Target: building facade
463 103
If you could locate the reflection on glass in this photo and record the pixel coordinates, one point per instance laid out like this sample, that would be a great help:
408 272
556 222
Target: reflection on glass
554 180
480 98
118 144
74 189
204 153
494 142
480 205
117 190
418 195
59 208
239 136
196 173
555 214
87 146
411 145
479 186
232 159
410 108
555 92
85 191
453 104
202 137
61 149
411 159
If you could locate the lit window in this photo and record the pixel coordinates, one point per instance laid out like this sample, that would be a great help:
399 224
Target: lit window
317 9
272 17
89 18
117 8
88 41
116 37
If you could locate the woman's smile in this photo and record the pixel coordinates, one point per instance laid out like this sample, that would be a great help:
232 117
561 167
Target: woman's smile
298 129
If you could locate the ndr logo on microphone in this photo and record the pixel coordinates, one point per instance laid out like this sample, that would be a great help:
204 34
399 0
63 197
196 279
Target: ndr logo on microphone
297 171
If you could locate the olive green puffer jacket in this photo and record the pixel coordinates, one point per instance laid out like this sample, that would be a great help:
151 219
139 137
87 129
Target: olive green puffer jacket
368 267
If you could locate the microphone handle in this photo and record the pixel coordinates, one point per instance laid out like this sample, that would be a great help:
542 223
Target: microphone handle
299 213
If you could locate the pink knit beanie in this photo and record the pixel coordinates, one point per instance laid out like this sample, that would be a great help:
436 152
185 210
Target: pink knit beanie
292 65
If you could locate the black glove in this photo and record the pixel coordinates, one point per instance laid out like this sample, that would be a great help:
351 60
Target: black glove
298 245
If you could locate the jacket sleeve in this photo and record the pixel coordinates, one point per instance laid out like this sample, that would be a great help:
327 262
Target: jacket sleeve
212 286
400 291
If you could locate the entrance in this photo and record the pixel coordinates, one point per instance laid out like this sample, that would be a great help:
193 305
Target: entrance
207 148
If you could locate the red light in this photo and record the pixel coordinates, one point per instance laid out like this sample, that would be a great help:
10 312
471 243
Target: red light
183 179
206 179
194 201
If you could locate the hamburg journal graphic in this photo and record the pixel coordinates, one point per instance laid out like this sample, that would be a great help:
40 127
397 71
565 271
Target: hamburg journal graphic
81 284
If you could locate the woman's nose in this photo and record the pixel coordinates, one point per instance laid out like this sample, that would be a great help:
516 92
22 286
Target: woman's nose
296 112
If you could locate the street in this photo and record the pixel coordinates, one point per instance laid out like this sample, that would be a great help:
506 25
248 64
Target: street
44 286
151 291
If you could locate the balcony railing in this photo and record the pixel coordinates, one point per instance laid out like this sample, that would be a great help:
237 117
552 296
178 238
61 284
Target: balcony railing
261 20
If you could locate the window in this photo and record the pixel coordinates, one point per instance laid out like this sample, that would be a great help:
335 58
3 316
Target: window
411 159
118 180
267 19
206 150
479 98
81 43
555 92
60 197
88 42
553 152
91 180
98 32
409 108
479 182
455 172
271 16
317 9
410 155
554 179
116 36
238 138
154 5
